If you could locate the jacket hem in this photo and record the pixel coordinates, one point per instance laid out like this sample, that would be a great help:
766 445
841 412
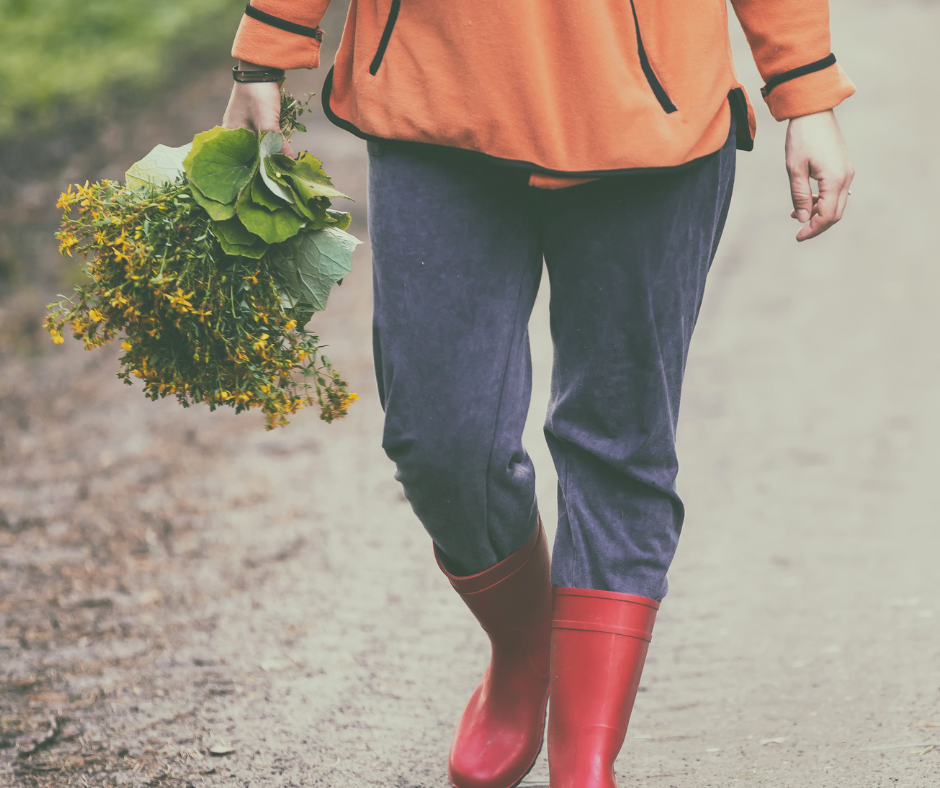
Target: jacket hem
743 142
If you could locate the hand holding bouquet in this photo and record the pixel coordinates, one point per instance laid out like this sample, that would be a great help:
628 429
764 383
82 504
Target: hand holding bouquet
211 260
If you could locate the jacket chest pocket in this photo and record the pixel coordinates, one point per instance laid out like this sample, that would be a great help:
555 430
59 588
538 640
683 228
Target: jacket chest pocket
386 37
655 85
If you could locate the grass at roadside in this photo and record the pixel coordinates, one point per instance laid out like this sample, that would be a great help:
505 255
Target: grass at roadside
75 55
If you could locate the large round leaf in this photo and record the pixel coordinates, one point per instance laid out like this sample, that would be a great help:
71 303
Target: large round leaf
222 162
161 166
309 264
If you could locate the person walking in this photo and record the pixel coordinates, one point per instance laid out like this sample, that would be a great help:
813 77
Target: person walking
601 139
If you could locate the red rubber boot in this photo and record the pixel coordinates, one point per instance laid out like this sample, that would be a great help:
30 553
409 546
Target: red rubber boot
599 643
500 733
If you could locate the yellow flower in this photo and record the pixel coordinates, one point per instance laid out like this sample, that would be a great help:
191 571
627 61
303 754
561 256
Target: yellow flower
180 301
127 345
67 241
66 198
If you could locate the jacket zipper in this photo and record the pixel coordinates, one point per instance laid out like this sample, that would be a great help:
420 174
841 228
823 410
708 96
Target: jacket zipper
658 90
386 35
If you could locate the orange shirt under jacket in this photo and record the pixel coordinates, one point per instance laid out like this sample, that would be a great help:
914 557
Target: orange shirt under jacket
568 90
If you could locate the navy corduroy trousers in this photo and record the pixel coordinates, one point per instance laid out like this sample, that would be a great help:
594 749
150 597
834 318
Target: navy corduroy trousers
458 248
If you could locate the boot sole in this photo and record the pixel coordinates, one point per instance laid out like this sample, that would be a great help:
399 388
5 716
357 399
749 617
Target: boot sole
531 765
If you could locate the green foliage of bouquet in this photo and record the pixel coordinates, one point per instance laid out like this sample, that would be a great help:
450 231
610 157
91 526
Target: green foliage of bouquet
211 260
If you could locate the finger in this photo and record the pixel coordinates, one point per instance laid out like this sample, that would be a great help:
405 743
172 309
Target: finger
843 201
793 212
844 195
801 192
824 215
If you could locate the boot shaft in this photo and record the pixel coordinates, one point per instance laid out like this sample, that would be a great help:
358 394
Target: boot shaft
501 730
599 645
512 601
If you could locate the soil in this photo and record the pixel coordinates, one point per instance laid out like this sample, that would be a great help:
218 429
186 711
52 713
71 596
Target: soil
186 599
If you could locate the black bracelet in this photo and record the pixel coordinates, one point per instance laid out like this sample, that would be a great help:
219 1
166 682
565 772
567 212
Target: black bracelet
265 75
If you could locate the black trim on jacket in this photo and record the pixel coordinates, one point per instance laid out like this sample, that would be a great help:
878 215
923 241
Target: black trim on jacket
742 123
282 24
793 73
386 36
655 85
736 100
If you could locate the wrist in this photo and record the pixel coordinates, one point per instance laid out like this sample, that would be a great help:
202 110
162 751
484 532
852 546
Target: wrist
828 114
258 74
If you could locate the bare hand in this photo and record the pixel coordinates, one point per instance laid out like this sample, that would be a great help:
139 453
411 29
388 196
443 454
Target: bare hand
255 106
815 149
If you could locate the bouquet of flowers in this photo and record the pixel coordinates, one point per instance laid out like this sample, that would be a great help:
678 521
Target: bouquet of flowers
210 260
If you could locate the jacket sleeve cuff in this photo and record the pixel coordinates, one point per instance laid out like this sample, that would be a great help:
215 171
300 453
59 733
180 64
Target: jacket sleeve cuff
276 40
806 90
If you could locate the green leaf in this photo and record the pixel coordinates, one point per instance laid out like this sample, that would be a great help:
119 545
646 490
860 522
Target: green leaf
343 220
236 240
161 166
307 176
272 142
216 210
284 185
316 213
261 195
272 226
223 162
256 251
309 192
309 264
198 141
314 218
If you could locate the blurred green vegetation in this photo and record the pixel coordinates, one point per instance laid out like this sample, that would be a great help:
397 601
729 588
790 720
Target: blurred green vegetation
76 55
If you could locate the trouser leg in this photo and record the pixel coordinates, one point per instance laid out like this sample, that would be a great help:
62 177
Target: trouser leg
457 263
627 260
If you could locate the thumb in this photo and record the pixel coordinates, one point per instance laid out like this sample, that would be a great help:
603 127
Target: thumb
801 192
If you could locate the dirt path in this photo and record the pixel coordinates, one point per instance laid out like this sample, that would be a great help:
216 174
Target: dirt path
174 581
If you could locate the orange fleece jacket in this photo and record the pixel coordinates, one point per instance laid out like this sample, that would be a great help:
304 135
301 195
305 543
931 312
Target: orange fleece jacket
569 90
